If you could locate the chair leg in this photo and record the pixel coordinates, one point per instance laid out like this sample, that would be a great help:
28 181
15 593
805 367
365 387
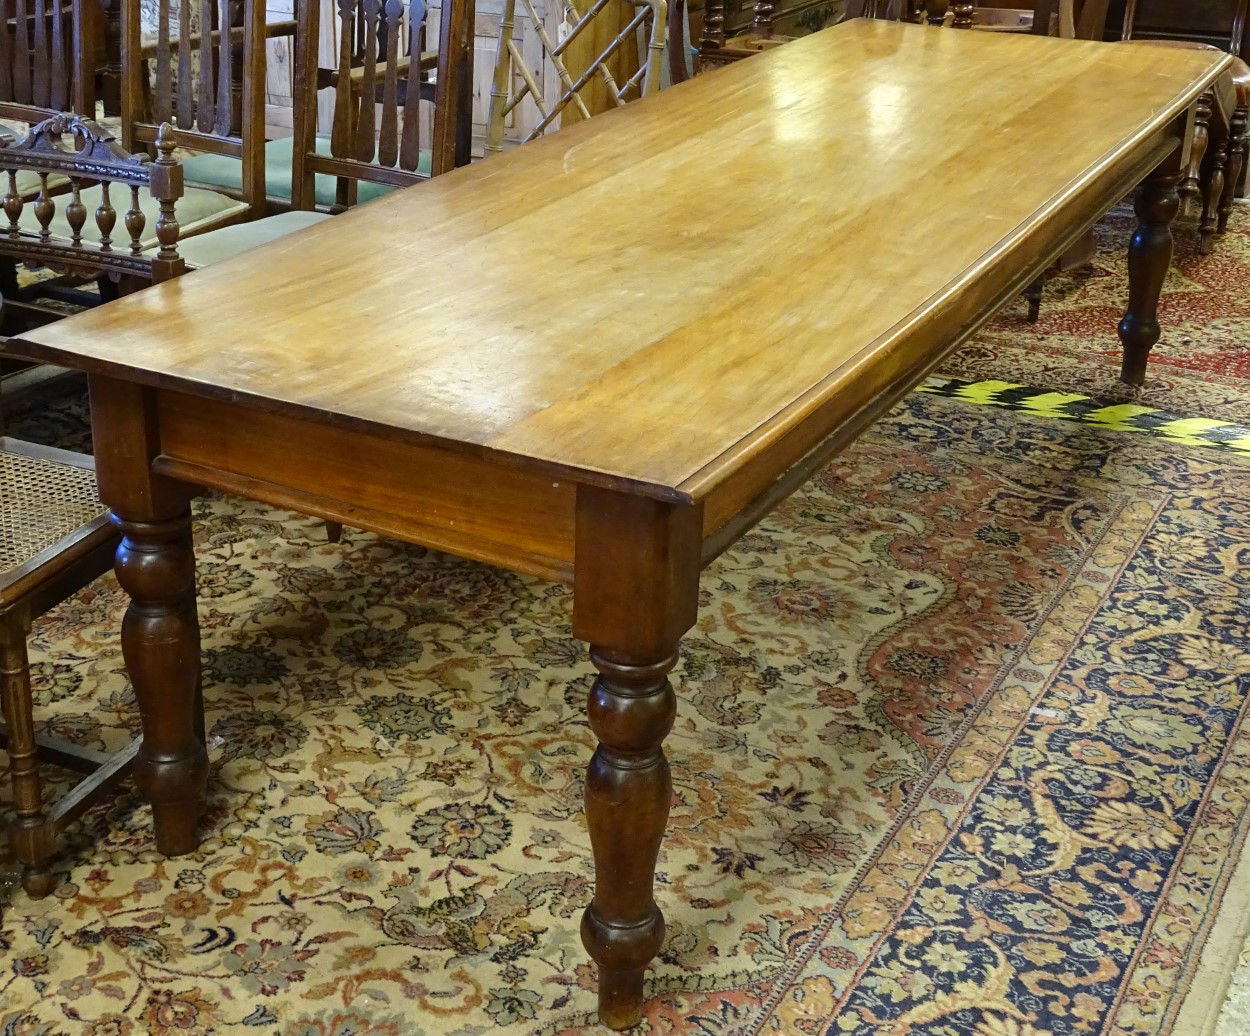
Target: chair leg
1212 193
1236 164
1034 294
31 836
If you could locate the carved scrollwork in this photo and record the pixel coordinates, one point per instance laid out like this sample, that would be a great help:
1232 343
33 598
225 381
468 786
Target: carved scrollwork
96 153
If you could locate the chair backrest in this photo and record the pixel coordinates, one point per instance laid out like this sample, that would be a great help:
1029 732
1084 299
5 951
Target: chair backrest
384 74
1069 19
1218 22
187 78
48 53
83 152
575 67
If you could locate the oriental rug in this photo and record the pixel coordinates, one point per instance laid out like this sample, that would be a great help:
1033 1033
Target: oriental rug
962 750
1199 369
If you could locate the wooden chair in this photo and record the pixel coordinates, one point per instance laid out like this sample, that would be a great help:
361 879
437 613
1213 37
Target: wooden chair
55 538
46 65
190 80
74 232
380 139
48 54
568 86
1219 26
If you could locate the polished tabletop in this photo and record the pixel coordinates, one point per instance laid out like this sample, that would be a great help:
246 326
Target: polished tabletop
651 297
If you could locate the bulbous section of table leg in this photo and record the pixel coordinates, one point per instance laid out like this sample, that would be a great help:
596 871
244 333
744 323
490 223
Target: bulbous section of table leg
628 788
155 565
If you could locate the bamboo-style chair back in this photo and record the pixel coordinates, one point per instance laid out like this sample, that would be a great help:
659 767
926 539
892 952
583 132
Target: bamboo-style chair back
108 240
48 54
514 81
187 78
384 75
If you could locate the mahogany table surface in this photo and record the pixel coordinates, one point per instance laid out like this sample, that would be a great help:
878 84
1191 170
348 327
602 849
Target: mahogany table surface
605 355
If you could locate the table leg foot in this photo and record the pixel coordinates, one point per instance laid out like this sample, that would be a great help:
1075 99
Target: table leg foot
1033 294
1149 255
155 565
628 787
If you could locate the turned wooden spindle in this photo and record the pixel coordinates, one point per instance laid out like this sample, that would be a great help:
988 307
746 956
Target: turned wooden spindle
962 14
1149 254
935 11
763 23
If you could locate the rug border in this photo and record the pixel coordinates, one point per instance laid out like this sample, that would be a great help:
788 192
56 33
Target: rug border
1200 1011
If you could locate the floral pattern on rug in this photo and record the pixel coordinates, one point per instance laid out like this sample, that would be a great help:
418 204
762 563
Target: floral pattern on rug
1201 366
961 751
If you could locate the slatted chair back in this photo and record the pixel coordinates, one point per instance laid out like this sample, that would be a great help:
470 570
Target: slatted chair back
187 78
48 54
515 82
68 236
384 75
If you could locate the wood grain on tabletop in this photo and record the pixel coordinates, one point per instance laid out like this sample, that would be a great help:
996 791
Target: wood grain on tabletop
589 301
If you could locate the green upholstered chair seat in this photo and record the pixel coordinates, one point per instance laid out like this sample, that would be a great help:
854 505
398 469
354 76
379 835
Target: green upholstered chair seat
219 245
226 173
196 210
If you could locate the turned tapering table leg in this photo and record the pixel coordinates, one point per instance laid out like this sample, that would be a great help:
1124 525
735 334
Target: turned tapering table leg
1212 192
1149 255
636 591
155 565
161 645
1236 163
632 707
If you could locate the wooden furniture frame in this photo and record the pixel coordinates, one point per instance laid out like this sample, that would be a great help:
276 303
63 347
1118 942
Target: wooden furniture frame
106 243
199 103
620 437
376 128
651 16
48 53
55 538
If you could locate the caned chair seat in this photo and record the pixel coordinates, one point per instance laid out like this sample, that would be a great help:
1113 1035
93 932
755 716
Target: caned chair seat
198 211
55 537
219 245
44 498
222 173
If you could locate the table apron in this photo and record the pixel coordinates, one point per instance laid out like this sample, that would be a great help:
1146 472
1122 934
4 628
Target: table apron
449 500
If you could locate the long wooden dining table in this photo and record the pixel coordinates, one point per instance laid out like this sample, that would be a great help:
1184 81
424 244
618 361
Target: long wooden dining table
604 356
